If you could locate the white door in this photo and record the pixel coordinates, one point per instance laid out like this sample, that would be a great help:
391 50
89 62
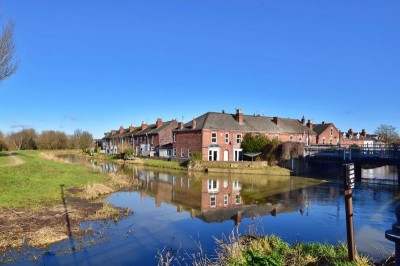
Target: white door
226 155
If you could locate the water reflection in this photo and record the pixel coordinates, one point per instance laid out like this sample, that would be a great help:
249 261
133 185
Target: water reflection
380 175
171 208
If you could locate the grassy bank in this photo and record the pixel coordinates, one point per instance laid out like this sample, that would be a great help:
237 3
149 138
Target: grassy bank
267 250
36 181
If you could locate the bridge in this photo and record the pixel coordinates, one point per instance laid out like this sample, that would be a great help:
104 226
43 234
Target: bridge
389 153
324 156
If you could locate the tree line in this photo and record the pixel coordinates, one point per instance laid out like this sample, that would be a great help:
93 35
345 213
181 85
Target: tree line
29 139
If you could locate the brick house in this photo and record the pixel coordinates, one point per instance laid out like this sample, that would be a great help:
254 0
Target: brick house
327 134
146 139
350 138
218 136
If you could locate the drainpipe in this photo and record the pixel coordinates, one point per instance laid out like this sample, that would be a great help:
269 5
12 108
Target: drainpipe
394 234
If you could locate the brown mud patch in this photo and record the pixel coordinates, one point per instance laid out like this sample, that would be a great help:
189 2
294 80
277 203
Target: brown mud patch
20 227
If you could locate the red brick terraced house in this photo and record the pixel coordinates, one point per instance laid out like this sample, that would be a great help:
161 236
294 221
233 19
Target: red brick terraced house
146 139
327 134
218 136
350 138
149 140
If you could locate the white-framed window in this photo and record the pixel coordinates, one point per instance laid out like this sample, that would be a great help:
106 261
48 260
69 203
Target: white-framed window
277 136
152 139
236 185
226 200
256 135
331 131
330 141
323 140
300 138
174 137
213 137
213 201
213 185
182 152
239 138
226 138
291 137
238 199
225 183
174 152
189 153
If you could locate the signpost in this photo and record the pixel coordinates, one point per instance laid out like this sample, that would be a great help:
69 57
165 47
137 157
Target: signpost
349 181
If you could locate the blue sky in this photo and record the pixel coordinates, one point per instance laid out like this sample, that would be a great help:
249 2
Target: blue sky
97 65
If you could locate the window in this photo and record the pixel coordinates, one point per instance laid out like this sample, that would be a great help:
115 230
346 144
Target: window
300 138
323 141
238 199
189 153
213 201
174 136
152 139
213 185
225 200
226 138
225 183
331 131
174 152
291 137
238 138
256 135
277 136
182 152
330 141
236 185
213 137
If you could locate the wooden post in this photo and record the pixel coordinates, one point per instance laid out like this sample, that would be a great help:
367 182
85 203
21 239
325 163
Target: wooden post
348 170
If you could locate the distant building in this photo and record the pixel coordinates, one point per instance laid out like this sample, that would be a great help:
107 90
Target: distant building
350 138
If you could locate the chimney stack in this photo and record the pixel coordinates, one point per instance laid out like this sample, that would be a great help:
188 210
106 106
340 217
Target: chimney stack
363 133
239 116
310 124
180 125
303 120
275 119
131 128
159 122
351 132
113 132
121 130
144 125
323 122
194 124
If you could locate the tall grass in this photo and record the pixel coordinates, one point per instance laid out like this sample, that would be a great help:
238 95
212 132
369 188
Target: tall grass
36 182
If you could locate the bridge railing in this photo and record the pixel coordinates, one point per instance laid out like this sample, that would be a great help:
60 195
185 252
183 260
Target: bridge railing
363 151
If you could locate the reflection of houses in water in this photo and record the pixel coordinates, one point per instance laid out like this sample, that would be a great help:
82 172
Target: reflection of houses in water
381 175
220 194
106 167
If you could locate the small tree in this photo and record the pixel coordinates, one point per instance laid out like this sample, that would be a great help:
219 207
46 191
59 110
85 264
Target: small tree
3 142
255 143
7 50
387 133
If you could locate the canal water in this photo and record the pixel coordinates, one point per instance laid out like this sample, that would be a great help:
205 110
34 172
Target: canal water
184 213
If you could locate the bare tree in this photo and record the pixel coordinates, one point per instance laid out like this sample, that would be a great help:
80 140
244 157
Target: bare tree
387 133
7 50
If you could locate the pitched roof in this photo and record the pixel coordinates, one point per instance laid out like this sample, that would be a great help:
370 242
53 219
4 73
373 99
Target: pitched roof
320 128
251 123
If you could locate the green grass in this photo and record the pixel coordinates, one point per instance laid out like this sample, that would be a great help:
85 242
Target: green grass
4 159
271 250
37 182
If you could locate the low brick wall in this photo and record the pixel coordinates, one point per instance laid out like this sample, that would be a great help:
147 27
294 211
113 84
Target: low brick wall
242 164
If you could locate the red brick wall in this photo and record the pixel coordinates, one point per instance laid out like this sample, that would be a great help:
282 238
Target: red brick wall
328 137
188 140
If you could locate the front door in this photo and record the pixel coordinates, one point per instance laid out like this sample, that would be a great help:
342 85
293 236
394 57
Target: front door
226 155
213 154
238 154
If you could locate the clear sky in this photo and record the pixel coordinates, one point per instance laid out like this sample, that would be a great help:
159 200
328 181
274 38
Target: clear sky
96 65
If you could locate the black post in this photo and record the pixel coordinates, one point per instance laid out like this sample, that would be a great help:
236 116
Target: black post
348 170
